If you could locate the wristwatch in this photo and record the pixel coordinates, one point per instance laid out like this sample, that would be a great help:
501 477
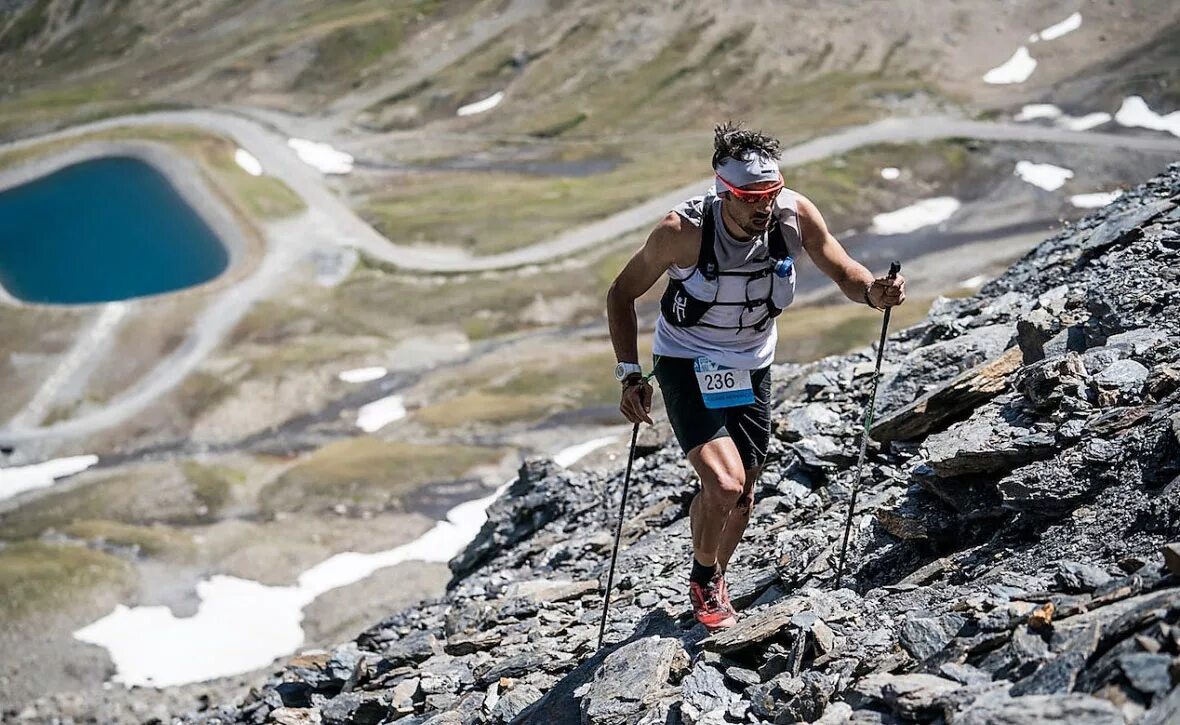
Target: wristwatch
869 300
625 370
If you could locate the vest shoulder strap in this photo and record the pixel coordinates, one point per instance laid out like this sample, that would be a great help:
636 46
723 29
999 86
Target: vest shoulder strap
707 257
776 242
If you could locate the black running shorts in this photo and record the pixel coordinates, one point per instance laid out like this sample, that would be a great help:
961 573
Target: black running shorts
694 424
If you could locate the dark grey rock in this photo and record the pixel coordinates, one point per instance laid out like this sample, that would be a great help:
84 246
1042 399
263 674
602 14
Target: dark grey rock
704 689
930 366
513 517
1147 673
924 637
514 702
1054 676
356 708
1122 227
1033 330
810 420
743 676
998 437
1000 709
908 695
410 649
1073 576
514 666
632 679
964 673
1139 344
1126 376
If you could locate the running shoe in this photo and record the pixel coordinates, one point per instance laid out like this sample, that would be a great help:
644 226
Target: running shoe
708 608
722 590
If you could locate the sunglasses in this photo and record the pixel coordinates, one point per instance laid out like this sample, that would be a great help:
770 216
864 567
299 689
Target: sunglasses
757 196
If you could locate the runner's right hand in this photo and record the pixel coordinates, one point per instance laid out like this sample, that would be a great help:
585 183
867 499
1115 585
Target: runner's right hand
636 402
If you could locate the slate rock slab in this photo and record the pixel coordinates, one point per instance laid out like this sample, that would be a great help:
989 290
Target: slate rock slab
631 680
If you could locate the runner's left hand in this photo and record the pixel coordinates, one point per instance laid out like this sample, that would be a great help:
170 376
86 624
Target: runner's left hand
885 292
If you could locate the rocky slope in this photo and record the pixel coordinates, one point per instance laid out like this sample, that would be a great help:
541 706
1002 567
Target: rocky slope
1012 558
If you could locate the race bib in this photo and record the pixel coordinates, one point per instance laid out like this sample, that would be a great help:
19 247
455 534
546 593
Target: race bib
723 387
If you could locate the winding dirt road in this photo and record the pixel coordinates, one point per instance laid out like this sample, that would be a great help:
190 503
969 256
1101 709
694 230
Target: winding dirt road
329 222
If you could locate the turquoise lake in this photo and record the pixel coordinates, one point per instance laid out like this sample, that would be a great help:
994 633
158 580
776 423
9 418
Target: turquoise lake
103 230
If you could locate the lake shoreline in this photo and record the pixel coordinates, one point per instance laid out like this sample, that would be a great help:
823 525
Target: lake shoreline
182 174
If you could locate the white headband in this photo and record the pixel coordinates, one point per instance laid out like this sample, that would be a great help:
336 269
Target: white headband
743 172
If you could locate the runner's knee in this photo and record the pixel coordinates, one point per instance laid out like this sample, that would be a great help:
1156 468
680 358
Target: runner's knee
723 488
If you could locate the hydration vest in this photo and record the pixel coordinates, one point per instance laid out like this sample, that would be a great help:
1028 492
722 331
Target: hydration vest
681 309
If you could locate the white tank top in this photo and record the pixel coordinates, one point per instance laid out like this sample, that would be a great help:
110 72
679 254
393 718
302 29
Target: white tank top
745 348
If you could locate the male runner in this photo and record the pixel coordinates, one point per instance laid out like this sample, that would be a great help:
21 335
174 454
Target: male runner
729 256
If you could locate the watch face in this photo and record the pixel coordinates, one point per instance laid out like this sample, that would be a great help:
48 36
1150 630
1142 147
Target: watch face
619 371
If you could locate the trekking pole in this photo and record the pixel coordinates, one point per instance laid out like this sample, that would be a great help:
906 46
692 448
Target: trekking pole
610 578
864 434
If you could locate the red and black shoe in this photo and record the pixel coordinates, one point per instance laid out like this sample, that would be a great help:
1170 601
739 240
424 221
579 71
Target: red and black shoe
722 590
707 606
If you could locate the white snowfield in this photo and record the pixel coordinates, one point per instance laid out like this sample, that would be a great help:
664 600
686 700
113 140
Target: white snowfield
1036 111
322 156
1094 200
1055 31
1016 69
571 455
480 106
1045 176
915 216
362 375
18 479
374 416
248 162
243 625
1136 112
889 173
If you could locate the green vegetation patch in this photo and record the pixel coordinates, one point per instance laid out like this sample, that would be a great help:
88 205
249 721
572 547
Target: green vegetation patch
28 24
139 495
482 407
36 577
212 485
368 472
503 211
531 389
155 541
848 189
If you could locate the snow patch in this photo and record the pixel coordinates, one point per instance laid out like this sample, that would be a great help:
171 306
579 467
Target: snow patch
1034 111
248 162
915 216
18 479
1083 123
380 413
1135 112
1046 176
486 104
1095 200
889 173
1016 69
568 456
1053 32
321 156
972 282
362 375
243 625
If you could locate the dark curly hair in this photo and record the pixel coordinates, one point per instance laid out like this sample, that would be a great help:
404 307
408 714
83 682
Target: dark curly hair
730 140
